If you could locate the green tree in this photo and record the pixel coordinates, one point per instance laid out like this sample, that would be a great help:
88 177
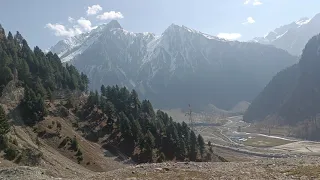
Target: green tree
201 145
4 125
33 107
193 147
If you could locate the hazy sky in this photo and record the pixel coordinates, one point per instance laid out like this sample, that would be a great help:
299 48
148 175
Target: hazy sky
44 22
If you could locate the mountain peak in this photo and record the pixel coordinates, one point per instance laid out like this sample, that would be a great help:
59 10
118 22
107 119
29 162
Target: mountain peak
114 24
303 21
176 28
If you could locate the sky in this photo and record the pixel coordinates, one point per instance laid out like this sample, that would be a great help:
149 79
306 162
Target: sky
44 22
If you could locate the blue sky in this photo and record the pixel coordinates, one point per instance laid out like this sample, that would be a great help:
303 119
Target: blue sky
44 22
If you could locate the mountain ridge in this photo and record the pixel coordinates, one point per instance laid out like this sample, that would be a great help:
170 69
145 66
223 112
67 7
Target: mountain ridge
292 96
292 37
161 66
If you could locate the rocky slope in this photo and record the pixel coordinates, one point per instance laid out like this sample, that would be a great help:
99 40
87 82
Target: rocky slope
290 168
293 94
292 37
179 67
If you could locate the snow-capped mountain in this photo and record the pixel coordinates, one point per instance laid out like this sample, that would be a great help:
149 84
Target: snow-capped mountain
294 36
178 67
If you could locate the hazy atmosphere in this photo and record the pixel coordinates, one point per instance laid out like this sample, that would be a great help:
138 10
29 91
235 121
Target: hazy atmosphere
236 19
93 89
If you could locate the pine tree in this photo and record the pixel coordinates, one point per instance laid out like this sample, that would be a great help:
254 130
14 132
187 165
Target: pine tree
125 126
146 107
149 143
4 125
193 147
135 103
201 145
33 107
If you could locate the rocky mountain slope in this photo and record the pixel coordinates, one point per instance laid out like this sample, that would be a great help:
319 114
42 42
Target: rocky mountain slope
293 94
292 37
179 67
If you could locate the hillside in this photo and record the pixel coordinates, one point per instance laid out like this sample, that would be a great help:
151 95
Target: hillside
294 36
292 97
49 119
168 68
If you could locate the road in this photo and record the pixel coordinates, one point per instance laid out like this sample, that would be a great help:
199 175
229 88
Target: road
224 137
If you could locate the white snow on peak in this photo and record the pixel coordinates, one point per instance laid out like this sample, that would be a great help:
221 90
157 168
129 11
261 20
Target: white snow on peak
303 21
69 48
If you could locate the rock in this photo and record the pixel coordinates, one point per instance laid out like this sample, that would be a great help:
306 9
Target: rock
166 169
132 178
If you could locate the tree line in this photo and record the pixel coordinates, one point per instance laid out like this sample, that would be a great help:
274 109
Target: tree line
140 132
39 73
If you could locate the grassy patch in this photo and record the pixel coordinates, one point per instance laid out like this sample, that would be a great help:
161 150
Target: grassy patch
261 141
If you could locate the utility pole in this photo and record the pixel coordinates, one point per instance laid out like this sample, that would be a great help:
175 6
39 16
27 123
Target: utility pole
189 114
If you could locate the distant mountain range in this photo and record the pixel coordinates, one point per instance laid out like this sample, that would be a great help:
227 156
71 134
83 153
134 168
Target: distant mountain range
181 66
294 36
293 95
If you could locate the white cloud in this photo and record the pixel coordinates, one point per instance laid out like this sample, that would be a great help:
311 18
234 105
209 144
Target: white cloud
93 10
83 25
253 2
71 20
61 30
257 3
229 36
110 15
250 20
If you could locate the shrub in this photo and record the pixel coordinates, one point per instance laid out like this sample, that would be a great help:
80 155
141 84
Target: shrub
10 153
30 157
64 142
79 153
79 159
74 144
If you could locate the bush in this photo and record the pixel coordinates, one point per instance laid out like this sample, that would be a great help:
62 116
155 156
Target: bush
161 158
59 126
64 112
4 142
79 159
30 157
74 144
64 142
79 153
10 153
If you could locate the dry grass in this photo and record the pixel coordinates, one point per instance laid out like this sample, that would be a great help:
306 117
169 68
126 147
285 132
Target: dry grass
178 174
311 172
261 141
279 131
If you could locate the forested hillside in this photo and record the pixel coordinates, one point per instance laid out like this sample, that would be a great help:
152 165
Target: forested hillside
293 96
132 126
141 133
39 73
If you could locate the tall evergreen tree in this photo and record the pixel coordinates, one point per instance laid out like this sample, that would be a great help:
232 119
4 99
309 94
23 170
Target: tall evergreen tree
193 147
201 145
4 125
